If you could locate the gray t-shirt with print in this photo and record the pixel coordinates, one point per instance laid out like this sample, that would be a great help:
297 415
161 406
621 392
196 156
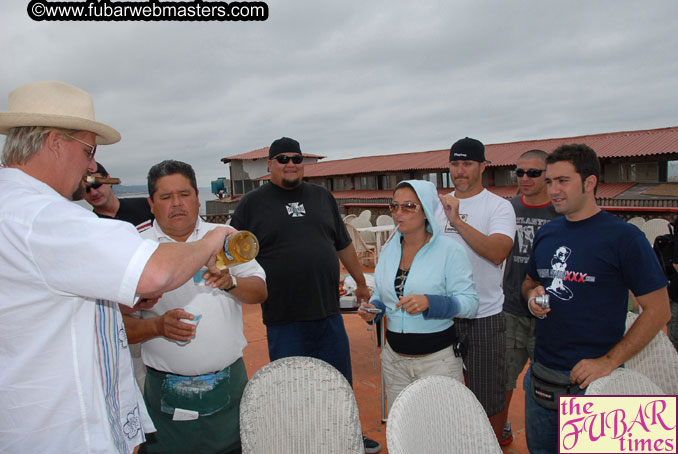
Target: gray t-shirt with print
528 220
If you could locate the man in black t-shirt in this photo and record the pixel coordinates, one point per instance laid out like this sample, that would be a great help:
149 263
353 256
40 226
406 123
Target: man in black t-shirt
134 210
301 235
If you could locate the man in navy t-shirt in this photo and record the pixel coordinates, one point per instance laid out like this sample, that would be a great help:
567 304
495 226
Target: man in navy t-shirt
586 262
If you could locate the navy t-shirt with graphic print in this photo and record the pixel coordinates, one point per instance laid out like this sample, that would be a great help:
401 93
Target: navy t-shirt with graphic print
299 232
587 268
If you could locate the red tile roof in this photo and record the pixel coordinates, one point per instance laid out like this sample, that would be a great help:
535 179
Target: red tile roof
605 191
502 191
261 153
385 163
367 194
611 190
651 142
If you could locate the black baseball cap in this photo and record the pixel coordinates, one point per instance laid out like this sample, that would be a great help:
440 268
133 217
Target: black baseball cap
468 149
283 145
101 170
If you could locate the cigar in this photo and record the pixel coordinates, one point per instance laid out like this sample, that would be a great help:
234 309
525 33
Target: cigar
91 179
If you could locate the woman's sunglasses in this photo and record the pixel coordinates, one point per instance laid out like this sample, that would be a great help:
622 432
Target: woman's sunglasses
407 207
532 173
284 159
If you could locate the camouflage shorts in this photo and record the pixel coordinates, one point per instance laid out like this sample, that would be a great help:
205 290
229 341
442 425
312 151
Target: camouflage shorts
520 340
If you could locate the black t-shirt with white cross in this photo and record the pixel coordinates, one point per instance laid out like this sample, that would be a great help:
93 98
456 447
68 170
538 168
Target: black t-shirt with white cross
299 232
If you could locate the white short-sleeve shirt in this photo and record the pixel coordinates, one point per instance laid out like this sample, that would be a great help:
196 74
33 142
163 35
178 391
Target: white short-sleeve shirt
489 214
66 382
219 339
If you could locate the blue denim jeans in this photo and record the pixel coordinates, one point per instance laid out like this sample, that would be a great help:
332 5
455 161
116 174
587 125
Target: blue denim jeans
322 339
541 425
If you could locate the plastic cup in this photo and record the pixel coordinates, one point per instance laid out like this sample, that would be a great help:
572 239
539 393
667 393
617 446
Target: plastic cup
197 315
197 277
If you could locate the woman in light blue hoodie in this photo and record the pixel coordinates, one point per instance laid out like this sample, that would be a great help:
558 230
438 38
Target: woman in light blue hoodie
423 280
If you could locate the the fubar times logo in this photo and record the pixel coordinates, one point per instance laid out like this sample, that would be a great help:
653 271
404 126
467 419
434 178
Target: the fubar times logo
617 424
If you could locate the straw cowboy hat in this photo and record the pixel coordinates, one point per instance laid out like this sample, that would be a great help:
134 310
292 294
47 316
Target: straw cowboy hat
57 105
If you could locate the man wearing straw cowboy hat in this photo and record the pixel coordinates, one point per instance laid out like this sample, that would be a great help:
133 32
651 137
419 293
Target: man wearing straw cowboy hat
66 382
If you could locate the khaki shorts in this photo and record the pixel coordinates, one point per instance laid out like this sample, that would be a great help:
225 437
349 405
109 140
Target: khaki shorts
520 339
400 371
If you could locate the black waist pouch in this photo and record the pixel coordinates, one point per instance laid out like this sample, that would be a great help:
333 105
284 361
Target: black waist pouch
547 384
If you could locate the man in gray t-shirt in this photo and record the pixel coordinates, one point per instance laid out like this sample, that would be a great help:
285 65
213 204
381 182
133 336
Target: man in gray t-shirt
533 209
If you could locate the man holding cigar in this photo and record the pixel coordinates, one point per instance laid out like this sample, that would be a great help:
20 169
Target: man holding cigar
66 382
136 211
106 204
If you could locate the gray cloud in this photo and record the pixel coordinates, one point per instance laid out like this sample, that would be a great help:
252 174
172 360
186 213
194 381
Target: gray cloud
357 78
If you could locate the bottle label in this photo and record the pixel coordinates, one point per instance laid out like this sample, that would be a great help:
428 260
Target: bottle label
227 252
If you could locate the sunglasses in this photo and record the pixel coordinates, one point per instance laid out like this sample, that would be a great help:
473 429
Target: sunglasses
92 148
92 186
532 173
407 207
284 159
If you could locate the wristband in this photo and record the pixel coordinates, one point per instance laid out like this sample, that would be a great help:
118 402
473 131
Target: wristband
235 284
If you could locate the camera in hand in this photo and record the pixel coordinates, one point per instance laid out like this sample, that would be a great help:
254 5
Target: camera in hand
542 300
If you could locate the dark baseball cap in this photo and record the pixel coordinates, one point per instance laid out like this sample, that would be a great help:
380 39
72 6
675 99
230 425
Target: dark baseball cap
283 145
101 170
468 149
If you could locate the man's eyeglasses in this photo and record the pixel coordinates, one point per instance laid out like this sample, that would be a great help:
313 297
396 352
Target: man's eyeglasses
532 173
93 148
407 207
284 159
92 186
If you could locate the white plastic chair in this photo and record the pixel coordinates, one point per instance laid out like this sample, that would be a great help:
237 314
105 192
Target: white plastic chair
299 405
349 217
366 214
362 249
360 222
637 221
623 382
439 415
658 360
655 227
384 219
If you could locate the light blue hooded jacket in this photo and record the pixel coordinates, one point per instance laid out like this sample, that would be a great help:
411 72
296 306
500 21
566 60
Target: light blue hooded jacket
440 270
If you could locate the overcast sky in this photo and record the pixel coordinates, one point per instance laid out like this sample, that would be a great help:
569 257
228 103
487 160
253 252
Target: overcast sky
356 78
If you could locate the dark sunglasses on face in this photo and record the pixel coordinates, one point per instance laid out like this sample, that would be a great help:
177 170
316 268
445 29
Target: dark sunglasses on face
92 186
407 207
284 159
532 173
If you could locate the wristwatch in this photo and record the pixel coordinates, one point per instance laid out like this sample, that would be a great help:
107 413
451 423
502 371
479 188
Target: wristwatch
235 284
